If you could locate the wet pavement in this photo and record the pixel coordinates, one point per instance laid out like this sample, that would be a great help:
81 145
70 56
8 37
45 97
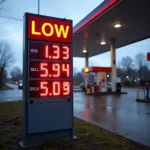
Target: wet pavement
120 114
11 95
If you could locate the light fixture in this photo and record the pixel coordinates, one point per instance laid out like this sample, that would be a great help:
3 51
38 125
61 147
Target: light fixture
102 39
86 70
117 25
84 51
103 42
108 76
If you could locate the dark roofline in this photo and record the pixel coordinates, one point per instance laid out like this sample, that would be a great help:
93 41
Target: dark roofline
99 10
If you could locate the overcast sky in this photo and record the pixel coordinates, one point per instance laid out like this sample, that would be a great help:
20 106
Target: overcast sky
12 30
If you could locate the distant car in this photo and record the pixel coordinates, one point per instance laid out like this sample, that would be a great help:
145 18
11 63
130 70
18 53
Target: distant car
82 86
20 84
109 86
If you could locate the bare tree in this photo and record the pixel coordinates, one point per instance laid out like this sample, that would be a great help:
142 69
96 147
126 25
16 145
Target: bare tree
145 73
1 3
16 74
127 64
140 61
6 58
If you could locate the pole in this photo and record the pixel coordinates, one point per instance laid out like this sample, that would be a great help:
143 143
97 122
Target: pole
38 7
86 66
113 64
86 60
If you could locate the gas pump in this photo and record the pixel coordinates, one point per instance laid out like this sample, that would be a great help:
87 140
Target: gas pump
96 77
102 81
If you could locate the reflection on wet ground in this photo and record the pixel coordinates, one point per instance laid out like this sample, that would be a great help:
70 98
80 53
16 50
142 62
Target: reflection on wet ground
11 95
120 114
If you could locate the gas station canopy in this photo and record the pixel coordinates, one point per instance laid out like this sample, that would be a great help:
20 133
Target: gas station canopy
97 69
98 26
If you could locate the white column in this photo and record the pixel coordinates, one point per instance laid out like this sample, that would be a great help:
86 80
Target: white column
86 66
113 64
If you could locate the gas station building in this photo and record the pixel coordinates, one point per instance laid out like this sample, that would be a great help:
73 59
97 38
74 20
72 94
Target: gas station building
111 25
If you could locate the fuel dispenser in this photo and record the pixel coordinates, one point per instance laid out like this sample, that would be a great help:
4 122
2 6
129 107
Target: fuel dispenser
97 78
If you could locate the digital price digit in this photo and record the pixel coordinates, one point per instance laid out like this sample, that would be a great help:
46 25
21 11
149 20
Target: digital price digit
65 68
56 51
44 87
65 52
46 52
56 88
44 69
66 88
56 68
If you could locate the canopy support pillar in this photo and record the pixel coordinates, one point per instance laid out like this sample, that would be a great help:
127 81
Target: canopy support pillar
113 64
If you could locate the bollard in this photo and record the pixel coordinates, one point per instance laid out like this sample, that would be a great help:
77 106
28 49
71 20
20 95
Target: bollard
88 91
138 93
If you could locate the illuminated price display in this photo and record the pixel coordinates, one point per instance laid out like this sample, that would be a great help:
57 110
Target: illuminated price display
49 88
50 70
47 79
49 57
50 67
49 51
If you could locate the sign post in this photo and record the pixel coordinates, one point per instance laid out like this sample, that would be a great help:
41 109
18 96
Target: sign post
47 79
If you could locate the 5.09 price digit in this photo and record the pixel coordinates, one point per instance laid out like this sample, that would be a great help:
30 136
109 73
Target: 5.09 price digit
44 88
57 88
66 88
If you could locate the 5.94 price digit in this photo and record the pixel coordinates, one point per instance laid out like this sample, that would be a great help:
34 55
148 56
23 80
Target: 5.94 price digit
66 68
56 70
44 69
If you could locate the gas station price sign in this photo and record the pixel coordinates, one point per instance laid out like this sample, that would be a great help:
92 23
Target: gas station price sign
47 79
49 57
